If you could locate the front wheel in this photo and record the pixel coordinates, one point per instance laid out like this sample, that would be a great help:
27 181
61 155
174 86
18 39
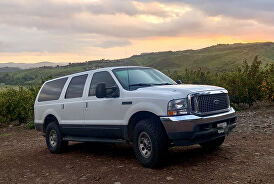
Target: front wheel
150 142
54 139
214 144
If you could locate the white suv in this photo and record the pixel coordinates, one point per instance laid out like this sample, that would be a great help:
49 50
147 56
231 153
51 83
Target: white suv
132 104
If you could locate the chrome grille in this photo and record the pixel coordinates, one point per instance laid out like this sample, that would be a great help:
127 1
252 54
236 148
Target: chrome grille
209 103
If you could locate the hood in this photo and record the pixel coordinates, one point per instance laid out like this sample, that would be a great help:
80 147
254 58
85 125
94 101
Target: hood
180 91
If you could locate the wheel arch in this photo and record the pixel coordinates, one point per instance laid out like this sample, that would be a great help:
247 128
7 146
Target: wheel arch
135 118
49 119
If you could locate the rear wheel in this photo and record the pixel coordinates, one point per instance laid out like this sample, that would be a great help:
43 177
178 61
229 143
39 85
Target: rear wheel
214 144
54 139
150 142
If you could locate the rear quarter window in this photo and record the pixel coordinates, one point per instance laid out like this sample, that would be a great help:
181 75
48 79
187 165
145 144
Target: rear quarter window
52 90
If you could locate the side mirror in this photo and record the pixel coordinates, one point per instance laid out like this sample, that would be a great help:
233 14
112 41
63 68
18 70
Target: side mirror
101 91
179 82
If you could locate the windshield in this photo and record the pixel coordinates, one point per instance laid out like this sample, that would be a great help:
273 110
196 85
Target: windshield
134 78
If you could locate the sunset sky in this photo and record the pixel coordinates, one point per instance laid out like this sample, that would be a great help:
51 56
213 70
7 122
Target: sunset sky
81 30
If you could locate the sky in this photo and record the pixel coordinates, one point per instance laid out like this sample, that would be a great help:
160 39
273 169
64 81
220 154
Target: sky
84 30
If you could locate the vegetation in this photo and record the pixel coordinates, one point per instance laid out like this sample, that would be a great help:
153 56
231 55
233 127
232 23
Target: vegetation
247 83
30 125
218 58
16 104
9 69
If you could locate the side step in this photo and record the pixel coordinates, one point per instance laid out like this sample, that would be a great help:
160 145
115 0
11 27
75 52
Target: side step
93 139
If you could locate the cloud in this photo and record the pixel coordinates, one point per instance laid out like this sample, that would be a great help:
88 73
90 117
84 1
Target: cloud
258 10
75 25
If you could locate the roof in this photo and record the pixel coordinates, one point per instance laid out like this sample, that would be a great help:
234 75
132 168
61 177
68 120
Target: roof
99 69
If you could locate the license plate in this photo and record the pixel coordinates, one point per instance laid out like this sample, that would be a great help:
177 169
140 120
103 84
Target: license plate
221 127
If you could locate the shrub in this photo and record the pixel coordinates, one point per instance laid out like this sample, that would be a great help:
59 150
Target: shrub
194 76
246 84
16 104
267 86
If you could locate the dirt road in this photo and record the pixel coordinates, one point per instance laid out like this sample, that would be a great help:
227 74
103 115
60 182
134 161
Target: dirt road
247 156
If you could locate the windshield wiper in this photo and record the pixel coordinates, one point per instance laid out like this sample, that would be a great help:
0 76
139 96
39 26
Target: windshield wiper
163 84
140 84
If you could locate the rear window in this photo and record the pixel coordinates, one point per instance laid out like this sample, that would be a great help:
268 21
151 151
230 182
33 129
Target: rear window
52 90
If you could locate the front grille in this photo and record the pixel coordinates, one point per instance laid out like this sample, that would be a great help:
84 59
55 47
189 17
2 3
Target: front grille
209 103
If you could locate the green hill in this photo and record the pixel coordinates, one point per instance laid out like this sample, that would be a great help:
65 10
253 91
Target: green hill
9 69
217 58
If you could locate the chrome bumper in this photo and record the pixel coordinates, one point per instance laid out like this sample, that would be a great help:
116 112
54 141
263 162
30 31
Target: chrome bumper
191 129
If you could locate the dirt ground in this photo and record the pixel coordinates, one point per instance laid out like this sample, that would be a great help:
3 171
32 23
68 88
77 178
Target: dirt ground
247 156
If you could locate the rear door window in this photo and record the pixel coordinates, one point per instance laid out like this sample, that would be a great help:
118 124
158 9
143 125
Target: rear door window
76 87
52 90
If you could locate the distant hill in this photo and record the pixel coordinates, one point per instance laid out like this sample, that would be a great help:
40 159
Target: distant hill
217 58
29 65
9 69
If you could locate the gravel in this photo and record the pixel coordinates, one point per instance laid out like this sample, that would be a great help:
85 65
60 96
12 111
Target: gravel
247 156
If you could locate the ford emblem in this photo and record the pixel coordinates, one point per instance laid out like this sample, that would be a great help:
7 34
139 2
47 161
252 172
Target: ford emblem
216 102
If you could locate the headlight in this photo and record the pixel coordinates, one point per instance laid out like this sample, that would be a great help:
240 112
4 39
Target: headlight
177 107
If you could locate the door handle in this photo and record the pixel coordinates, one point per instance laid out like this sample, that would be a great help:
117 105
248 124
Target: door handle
86 105
62 106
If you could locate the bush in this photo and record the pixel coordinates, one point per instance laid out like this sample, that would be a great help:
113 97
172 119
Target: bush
246 84
16 104
267 86
194 76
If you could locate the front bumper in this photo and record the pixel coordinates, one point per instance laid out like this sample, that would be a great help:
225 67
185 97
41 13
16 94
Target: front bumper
193 129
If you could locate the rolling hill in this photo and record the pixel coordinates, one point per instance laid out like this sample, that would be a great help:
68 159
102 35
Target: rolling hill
217 58
29 65
9 69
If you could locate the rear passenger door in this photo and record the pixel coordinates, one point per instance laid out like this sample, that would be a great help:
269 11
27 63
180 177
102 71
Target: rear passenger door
72 116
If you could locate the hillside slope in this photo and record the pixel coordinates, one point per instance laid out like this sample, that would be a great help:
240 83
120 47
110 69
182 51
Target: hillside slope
218 58
215 58
9 69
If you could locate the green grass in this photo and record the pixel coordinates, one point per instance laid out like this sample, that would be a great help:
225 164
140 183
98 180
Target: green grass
5 135
30 126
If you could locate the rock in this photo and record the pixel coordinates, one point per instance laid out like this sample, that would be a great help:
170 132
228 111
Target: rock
169 178
83 178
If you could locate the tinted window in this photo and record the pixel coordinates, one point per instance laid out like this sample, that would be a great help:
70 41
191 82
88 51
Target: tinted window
101 77
52 90
76 87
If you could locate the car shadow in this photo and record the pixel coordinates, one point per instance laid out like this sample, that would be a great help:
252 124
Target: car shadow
192 155
189 155
102 149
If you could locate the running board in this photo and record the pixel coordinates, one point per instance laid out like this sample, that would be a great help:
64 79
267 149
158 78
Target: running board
93 139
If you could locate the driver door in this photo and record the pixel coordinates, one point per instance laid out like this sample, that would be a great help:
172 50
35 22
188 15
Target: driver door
103 116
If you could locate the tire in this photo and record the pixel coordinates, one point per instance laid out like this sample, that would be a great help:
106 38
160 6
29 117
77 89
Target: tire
214 144
54 139
150 136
